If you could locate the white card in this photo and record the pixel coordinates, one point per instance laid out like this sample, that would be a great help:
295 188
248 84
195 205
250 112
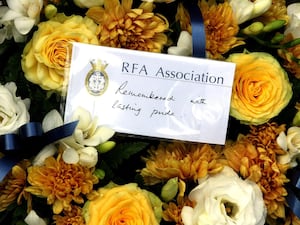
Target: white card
151 94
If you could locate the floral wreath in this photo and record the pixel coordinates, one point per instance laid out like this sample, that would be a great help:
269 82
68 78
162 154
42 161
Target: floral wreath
52 172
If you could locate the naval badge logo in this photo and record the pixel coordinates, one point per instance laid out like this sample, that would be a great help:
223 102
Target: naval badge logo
96 80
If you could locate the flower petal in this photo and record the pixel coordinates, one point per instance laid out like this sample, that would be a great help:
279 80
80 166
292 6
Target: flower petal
52 120
33 219
46 152
11 15
70 156
24 24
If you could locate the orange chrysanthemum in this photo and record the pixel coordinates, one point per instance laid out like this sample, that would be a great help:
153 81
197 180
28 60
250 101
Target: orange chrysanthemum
60 183
291 57
183 160
254 156
73 217
221 27
12 187
292 219
277 11
172 211
183 17
121 26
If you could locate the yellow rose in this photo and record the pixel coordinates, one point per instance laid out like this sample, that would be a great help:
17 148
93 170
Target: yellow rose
124 204
261 88
45 57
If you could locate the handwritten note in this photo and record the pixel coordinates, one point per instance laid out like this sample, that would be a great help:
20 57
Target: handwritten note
151 94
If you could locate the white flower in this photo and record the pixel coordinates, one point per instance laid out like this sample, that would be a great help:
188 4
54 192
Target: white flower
80 148
33 219
290 143
88 4
184 45
246 9
293 11
86 156
7 29
87 132
13 110
47 151
52 120
225 199
23 13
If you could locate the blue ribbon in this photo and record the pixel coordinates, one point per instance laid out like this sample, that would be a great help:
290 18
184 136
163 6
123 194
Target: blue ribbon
293 189
198 29
29 140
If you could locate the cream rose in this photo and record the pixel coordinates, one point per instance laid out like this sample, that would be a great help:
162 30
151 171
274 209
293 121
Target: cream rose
225 199
291 143
45 57
261 88
125 204
13 110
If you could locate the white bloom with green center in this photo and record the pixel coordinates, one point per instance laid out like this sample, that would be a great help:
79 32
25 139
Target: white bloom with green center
225 199
245 10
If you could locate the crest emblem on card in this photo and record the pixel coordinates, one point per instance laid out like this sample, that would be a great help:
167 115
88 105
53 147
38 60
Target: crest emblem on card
96 80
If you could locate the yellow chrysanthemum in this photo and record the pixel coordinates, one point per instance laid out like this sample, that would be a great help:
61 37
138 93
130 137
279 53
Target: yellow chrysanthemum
172 210
254 156
183 160
121 26
221 27
73 217
277 11
12 187
60 183
183 17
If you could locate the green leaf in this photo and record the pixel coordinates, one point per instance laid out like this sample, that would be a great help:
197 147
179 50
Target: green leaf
123 151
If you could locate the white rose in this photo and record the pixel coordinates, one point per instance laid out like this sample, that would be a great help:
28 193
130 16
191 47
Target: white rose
13 110
225 199
290 143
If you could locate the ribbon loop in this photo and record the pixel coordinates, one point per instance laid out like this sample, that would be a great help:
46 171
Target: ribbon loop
32 129
198 29
9 142
29 140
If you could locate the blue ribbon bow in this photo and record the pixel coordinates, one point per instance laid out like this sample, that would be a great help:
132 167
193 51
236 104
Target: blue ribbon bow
29 140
